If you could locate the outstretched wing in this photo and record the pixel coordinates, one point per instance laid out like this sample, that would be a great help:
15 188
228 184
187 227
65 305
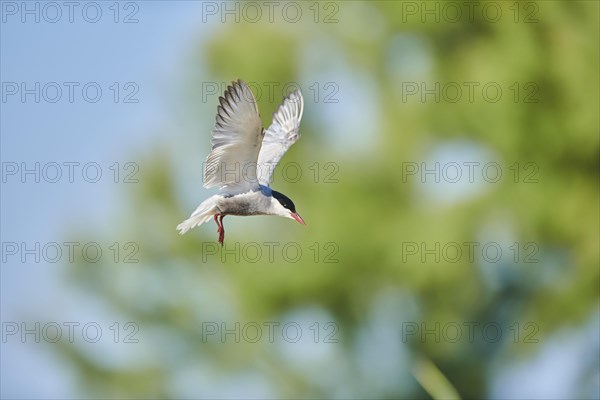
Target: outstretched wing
280 136
236 142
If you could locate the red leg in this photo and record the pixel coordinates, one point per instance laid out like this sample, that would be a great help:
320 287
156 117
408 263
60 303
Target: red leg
222 232
219 226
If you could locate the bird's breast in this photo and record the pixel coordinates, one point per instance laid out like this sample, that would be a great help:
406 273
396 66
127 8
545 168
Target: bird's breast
254 203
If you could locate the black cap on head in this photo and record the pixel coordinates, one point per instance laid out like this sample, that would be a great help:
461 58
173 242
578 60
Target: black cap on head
284 201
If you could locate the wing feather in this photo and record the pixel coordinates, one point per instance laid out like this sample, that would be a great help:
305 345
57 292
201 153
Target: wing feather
236 142
281 135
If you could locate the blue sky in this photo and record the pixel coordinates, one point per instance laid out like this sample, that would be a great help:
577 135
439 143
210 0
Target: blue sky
148 54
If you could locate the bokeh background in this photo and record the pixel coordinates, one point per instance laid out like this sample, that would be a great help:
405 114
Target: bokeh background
385 306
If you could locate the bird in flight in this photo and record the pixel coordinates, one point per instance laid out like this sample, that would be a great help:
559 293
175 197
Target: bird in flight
243 158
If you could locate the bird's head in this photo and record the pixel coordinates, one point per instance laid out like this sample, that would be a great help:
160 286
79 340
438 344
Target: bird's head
285 207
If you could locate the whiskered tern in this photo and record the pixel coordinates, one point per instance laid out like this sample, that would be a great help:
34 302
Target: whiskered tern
243 158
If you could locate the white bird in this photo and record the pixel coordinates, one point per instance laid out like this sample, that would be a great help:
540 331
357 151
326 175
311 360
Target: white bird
243 158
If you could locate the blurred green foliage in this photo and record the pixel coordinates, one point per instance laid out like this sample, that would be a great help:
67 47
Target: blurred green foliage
371 211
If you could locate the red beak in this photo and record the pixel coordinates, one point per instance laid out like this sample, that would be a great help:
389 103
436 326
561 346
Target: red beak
298 218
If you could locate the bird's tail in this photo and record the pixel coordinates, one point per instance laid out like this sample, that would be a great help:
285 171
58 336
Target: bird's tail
202 214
